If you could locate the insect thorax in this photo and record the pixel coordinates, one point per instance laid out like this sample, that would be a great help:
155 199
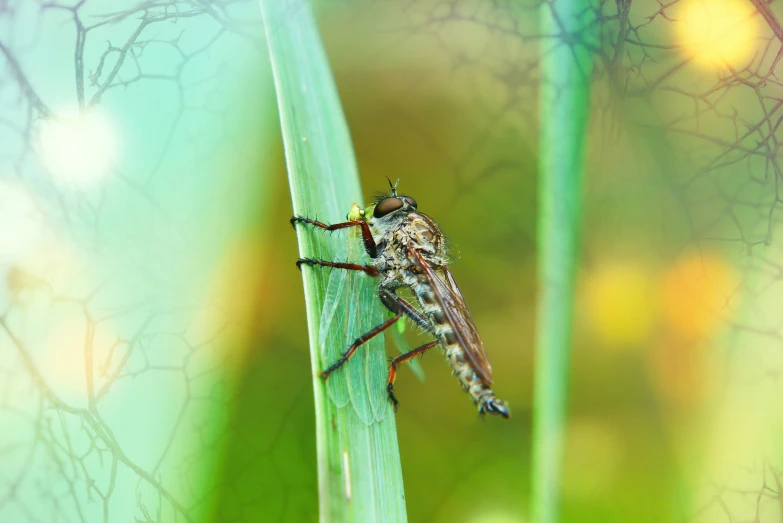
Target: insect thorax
415 231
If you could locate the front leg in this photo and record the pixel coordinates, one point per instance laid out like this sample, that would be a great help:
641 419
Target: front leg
367 239
370 270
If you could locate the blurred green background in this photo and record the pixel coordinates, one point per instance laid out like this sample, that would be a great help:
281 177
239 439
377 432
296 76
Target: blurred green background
153 350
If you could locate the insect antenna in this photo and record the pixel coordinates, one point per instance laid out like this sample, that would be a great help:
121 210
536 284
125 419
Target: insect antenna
393 186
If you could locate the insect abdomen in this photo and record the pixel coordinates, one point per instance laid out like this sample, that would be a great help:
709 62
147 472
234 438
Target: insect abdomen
479 391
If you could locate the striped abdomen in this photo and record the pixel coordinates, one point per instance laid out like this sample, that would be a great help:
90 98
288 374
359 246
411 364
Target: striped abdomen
479 390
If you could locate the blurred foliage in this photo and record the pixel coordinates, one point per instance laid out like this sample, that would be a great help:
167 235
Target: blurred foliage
676 362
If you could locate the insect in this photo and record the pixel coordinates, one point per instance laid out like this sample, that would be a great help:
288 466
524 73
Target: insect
408 251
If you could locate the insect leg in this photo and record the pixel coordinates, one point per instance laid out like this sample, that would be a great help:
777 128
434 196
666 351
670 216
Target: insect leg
367 239
396 304
367 269
402 359
364 338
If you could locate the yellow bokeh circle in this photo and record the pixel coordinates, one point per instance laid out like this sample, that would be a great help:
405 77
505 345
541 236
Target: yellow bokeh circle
618 303
716 33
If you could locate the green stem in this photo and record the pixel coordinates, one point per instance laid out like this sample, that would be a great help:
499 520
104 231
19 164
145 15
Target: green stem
564 112
359 473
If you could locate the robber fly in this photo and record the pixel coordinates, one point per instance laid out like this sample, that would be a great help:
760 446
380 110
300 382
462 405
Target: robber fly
407 250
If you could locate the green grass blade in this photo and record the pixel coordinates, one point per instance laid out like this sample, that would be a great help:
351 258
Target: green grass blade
359 472
564 110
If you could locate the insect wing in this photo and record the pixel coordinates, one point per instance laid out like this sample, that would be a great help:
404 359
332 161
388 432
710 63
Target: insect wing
450 299
331 330
365 373
350 309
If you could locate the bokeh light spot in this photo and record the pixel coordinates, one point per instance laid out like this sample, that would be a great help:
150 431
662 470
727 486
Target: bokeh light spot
21 223
619 306
695 293
80 150
718 32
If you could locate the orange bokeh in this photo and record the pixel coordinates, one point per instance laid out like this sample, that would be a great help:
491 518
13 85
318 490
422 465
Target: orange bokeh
696 295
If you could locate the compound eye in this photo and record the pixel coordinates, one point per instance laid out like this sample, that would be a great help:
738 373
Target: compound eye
410 201
386 206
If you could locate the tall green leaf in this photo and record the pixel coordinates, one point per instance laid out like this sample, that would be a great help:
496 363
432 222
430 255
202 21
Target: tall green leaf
359 472
564 103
